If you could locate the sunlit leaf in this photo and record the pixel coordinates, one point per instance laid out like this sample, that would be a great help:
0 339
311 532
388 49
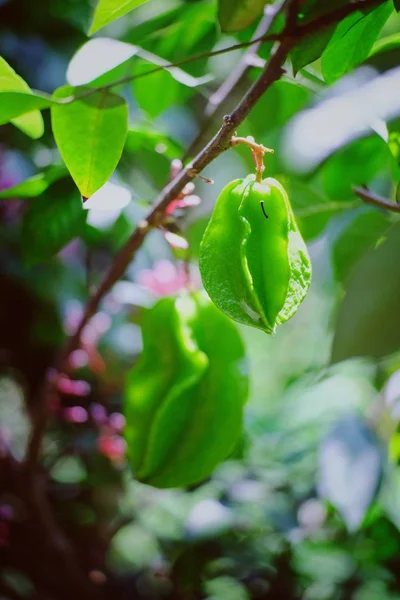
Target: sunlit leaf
97 57
108 10
350 45
90 133
389 42
30 123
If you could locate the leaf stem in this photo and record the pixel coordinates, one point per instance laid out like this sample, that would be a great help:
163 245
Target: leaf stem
258 151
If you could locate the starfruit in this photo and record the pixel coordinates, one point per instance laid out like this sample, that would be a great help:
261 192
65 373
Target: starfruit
184 398
253 261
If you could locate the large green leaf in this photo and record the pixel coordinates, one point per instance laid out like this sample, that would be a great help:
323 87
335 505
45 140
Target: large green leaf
90 133
368 320
108 10
235 15
35 185
30 123
49 224
352 41
360 235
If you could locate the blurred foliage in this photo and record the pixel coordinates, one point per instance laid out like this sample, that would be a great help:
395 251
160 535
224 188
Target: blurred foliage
308 504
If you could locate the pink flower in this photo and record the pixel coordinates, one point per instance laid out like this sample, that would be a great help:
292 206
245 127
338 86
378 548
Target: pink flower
117 422
164 279
76 414
72 387
112 446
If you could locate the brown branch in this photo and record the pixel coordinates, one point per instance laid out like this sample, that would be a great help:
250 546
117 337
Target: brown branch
371 198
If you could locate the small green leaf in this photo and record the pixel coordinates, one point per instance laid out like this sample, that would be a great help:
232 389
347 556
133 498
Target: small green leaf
235 15
109 10
359 236
389 42
30 123
310 48
90 133
14 104
35 185
156 93
368 320
142 137
352 41
49 225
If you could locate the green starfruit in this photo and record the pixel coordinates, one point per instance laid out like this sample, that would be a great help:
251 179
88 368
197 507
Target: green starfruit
184 398
253 261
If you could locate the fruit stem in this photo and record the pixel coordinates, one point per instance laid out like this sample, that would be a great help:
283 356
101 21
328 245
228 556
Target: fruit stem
258 151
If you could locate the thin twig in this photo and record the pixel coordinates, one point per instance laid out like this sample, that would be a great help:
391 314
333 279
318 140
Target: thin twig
371 198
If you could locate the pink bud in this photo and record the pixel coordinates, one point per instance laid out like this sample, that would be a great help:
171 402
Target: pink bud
176 241
73 387
176 167
117 422
98 413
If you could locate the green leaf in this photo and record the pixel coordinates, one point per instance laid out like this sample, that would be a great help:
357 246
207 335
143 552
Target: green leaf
313 210
310 48
350 449
359 236
389 42
352 41
14 104
109 10
144 137
50 224
35 185
31 123
356 164
235 15
156 93
90 133
368 320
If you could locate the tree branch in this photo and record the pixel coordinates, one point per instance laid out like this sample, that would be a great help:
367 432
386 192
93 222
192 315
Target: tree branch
371 198
217 101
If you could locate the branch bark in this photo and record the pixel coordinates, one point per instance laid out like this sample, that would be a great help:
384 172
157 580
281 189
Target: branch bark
371 198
